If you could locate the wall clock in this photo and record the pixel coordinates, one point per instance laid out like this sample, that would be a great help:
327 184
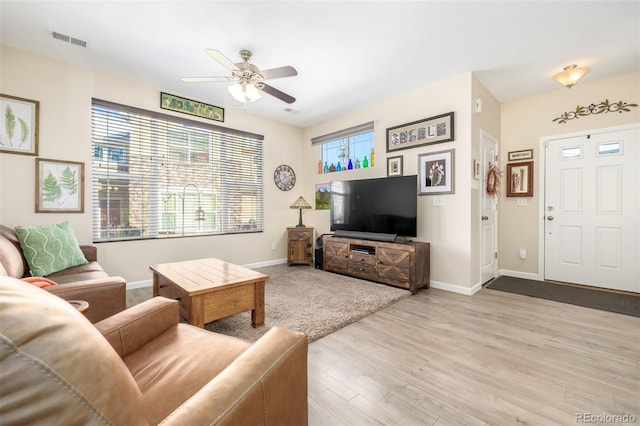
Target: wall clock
284 177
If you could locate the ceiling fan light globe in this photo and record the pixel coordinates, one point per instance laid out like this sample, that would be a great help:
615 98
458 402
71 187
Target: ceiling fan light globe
237 92
252 93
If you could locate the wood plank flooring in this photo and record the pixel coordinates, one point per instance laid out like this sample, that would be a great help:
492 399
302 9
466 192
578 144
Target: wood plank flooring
440 358
494 358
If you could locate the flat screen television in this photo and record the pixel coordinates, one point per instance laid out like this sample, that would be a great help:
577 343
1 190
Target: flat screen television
372 208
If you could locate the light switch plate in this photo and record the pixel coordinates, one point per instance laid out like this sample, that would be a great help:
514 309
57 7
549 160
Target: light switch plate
522 202
439 201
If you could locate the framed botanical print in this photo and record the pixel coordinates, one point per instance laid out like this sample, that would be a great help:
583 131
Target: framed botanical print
19 129
59 186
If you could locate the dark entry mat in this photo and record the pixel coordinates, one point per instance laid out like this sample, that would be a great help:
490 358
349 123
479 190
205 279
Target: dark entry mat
622 303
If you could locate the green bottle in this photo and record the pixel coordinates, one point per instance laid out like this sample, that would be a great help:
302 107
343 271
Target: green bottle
326 168
365 162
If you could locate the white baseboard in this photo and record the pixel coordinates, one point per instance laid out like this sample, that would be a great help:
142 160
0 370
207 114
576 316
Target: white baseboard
149 283
518 274
468 291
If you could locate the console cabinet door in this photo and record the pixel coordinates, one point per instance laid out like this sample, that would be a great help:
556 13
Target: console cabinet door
336 256
395 266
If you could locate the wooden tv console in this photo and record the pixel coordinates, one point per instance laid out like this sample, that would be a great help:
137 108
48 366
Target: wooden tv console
404 265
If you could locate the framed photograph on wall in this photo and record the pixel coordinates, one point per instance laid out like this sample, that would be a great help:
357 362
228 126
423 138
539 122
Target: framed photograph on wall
520 179
428 131
19 129
59 186
394 166
436 172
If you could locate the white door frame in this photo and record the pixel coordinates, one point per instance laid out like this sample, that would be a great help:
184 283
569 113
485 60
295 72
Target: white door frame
541 182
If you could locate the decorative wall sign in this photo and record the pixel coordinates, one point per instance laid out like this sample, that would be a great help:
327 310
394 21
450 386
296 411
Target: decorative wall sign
526 154
603 107
188 106
520 183
19 129
428 131
436 172
59 186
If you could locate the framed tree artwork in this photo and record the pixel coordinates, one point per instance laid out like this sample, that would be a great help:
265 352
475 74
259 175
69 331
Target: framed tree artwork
59 186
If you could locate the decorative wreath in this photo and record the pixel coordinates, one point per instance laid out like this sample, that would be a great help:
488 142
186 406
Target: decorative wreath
493 180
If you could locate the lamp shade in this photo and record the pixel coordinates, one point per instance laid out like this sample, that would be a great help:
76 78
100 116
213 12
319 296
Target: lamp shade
570 75
300 203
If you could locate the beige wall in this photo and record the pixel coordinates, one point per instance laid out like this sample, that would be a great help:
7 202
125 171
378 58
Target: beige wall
65 93
450 229
524 123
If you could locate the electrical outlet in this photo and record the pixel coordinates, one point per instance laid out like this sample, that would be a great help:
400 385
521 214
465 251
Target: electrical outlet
439 201
523 254
273 246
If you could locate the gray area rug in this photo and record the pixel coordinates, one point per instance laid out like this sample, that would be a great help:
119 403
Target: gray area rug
312 301
622 303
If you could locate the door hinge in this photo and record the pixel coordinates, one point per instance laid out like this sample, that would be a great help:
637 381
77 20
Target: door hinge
495 255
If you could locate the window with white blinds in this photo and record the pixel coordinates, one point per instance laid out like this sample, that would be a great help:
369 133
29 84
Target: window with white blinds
160 176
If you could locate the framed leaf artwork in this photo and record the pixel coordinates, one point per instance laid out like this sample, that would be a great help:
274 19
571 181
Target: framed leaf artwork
59 186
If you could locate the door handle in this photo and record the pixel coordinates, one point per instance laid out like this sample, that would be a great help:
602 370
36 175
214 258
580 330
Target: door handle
549 217
485 217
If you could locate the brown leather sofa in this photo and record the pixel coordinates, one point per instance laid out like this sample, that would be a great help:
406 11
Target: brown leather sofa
140 367
106 295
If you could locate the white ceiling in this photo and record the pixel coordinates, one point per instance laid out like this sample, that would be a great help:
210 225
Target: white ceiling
347 54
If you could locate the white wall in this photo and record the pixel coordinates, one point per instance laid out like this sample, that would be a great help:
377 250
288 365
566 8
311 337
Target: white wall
65 93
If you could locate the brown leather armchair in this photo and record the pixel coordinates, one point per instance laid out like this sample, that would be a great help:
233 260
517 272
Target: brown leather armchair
106 294
140 366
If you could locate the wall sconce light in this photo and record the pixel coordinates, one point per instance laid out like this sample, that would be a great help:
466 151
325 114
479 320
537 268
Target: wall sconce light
300 203
570 76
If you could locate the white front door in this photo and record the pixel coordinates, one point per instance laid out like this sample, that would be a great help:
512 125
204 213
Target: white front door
488 208
592 210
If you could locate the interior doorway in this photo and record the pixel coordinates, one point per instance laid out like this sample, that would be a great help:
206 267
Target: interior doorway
591 209
488 210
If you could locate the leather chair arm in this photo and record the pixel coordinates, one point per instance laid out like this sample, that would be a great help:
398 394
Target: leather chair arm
106 296
131 329
90 252
266 385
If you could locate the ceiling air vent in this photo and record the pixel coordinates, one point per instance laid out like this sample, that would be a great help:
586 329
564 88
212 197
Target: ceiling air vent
68 39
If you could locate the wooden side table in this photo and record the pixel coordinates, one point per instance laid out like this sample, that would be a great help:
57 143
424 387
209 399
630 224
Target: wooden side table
299 246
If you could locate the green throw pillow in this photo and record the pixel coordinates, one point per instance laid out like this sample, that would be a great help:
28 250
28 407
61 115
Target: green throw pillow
50 249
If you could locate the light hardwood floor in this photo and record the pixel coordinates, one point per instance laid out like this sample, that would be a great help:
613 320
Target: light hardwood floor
440 358
495 358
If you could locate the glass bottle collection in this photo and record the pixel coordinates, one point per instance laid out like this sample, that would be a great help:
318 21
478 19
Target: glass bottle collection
330 168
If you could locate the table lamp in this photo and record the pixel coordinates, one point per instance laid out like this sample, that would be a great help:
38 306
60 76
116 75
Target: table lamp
300 203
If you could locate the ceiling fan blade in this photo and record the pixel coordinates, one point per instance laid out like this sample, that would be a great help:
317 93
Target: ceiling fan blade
278 94
279 72
220 57
207 79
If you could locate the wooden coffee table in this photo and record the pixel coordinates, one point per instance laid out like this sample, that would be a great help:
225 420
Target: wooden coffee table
210 289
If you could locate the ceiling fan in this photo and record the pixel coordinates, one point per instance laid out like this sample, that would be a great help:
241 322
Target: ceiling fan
250 79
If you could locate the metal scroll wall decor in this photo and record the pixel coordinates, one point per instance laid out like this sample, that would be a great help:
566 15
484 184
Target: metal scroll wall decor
603 107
